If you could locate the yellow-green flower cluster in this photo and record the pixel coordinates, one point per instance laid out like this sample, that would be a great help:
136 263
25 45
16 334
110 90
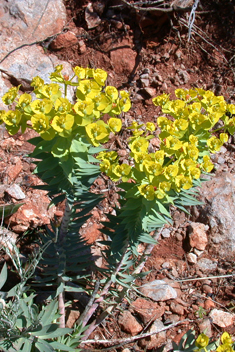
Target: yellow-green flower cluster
202 343
186 141
227 343
52 114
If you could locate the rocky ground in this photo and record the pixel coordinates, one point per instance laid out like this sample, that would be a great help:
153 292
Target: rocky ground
147 53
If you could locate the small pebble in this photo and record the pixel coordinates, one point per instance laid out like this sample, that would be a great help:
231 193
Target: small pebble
207 289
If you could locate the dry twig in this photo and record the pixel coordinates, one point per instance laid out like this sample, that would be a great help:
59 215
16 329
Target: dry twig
134 338
157 9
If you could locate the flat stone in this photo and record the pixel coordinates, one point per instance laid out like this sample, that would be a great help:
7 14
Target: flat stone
15 192
221 318
91 233
13 171
158 290
192 258
33 213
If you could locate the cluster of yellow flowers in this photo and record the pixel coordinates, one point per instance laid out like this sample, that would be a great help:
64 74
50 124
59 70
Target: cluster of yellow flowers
186 141
227 343
50 114
186 137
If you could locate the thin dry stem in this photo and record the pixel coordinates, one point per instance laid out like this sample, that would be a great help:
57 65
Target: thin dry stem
135 338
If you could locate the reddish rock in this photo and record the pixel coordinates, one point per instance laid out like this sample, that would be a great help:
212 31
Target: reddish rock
179 336
209 304
91 232
123 58
177 308
147 310
96 214
64 40
8 144
207 289
100 181
155 142
13 171
33 213
59 213
198 237
129 324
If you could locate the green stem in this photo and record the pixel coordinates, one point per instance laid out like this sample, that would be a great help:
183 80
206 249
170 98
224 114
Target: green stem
65 222
218 129
61 239
65 90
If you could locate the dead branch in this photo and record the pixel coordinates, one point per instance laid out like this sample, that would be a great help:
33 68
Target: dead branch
134 338
174 8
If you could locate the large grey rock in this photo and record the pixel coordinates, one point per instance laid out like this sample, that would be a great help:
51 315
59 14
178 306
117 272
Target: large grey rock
28 21
218 212
25 22
158 290
27 63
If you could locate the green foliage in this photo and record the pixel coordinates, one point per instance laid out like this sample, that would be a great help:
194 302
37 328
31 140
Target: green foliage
201 312
24 325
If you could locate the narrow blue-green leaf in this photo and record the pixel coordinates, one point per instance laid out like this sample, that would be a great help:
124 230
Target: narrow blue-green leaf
162 209
44 346
146 238
60 346
46 316
3 275
26 347
50 331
